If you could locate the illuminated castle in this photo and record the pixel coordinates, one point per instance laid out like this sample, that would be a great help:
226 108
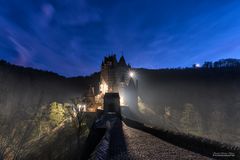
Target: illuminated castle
113 74
115 77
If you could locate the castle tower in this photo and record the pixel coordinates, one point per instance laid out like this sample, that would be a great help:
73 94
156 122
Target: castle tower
122 72
131 93
107 78
115 78
114 74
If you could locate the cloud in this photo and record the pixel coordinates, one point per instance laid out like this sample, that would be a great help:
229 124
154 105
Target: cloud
71 37
48 10
24 55
76 13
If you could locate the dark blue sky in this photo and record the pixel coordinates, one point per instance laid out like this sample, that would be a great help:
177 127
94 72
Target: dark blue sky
71 37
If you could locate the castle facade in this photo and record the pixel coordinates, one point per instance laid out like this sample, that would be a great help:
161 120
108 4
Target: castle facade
114 74
115 78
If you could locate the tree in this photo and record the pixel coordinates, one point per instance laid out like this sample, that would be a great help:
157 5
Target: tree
77 118
13 137
171 118
216 126
191 121
57 114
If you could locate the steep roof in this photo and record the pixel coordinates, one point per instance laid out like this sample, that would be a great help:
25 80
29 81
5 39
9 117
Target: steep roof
122 61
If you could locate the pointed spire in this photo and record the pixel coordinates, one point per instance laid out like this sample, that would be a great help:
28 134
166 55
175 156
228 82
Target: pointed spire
122 61
131 84
115 58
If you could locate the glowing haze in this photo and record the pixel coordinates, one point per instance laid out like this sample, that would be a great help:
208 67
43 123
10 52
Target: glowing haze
71 37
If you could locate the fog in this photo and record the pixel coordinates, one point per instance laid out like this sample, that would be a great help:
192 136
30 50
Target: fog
31 124
27 89
201 102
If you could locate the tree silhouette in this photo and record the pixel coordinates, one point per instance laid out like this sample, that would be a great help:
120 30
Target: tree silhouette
191 121
216 126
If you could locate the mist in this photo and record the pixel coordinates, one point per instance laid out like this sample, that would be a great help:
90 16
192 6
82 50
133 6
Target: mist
199 102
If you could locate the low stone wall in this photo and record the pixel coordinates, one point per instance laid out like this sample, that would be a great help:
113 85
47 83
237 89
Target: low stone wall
199 145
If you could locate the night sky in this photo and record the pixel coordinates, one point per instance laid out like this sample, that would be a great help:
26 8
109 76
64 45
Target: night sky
71 37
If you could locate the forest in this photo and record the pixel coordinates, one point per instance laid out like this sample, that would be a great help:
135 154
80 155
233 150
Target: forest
203 102
39 116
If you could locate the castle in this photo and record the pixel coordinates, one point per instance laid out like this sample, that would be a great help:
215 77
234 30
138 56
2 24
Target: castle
115 78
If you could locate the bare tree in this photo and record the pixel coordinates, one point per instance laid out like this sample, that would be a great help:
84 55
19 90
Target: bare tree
13 137
77 117
191 120
4 141
216 125
15 131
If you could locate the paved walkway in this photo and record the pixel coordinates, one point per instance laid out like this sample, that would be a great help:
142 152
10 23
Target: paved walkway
130 143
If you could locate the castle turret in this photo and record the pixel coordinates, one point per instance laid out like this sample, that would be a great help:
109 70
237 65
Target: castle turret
131 92
114 75
122 62
131 84
108 78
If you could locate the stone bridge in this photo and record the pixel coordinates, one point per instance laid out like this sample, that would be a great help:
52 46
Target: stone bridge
116 137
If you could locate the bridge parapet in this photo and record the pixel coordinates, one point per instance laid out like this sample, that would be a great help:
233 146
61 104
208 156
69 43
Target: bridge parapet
106 137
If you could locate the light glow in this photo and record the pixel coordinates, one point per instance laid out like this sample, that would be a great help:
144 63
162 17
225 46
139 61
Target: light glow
82 107
198 65
131 74
103 87
122 102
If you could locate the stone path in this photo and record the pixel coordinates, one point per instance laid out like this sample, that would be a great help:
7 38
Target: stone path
130 143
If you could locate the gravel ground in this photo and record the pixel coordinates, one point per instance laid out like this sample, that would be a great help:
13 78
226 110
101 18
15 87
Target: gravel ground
130 143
